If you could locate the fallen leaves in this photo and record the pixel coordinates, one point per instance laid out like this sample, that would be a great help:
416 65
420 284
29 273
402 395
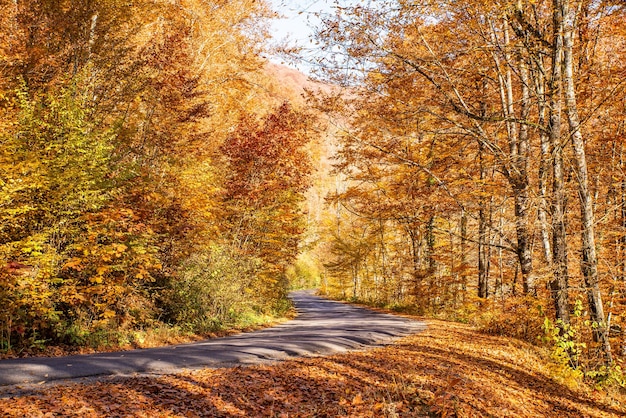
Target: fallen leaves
448 370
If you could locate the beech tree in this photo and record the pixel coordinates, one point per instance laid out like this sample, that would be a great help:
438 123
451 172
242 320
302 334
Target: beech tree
499 84
112 116
269 171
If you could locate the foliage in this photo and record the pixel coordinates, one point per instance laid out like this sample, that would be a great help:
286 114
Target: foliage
465 174
566 349
264 192
522 318
113 115
213 292
607 377
59 176
304 273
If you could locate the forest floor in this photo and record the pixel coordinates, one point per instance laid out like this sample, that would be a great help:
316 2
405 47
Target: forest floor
448 370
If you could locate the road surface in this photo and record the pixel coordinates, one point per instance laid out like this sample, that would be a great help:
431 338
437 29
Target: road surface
322 327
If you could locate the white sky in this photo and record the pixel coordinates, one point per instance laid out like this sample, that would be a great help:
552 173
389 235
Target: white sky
296 26
299 17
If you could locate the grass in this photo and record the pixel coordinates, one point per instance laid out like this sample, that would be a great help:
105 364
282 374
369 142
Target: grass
107 340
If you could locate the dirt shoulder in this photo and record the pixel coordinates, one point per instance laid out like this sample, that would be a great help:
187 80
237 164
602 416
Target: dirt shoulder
448 369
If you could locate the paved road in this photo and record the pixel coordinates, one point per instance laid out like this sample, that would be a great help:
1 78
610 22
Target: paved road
322 327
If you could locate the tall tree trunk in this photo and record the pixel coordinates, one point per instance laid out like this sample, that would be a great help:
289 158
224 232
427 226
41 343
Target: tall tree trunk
484 224
622 211
430 242
463 253
544 163
522 215
518 149
560 281
383 261
416 260
589 263
483 235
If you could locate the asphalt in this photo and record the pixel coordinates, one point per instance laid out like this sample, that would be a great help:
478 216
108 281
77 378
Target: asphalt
322 327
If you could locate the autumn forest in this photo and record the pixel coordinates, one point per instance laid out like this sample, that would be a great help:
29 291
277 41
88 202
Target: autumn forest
464 161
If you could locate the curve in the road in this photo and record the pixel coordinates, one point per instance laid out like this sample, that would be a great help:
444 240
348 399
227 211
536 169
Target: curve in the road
322 327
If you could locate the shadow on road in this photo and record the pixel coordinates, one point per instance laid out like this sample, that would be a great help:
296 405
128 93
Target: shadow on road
322 327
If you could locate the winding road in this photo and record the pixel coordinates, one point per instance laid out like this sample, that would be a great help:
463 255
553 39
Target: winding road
322 327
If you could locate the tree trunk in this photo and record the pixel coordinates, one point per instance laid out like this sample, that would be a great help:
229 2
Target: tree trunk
483 236
519 149
622 211
589 265
430 242
522 216
559 283
544 164
463 253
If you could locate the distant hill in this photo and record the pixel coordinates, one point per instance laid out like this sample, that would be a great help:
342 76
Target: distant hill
286 83
290 84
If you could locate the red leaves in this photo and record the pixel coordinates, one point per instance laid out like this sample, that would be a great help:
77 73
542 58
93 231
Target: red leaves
269 171
269 157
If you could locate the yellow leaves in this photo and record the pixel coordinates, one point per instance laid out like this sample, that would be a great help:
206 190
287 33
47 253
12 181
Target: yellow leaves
74 263
108 314
33 249
119 248
108 192
96 280
377 77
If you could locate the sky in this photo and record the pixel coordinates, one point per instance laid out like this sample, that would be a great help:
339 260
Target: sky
296 27
298 18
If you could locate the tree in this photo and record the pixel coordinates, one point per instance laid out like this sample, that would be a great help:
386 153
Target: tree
269 171
498 81
112 114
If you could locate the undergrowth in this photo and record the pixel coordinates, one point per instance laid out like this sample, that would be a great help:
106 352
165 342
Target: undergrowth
82 341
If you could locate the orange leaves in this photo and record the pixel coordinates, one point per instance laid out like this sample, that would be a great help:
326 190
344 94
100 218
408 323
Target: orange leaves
74 263
112 113
448 370
357 400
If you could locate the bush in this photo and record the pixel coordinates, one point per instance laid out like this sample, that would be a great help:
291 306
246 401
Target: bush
213 291
517 317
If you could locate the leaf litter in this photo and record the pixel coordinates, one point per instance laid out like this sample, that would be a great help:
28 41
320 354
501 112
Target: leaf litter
449 370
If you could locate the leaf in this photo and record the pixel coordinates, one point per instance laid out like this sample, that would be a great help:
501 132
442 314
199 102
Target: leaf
74 263
108 314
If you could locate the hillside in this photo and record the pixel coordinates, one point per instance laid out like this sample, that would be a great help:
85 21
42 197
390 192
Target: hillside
290 83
